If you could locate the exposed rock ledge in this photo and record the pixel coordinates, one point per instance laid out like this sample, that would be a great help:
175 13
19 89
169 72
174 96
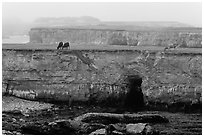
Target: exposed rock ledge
98 123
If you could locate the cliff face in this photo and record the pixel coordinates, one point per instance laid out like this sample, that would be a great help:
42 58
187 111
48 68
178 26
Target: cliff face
185 38
168 78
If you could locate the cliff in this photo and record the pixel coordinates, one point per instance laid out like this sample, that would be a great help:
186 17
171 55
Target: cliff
98 76
185 37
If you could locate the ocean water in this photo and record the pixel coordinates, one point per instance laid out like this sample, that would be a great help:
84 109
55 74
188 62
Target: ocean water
16 39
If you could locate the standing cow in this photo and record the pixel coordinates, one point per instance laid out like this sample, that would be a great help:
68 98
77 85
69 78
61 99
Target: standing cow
66 45
172 46
60 46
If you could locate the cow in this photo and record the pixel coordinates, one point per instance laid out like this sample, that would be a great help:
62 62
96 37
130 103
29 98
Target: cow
171 46
66 45
60 45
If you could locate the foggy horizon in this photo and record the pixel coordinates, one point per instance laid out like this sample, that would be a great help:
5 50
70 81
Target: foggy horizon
106 12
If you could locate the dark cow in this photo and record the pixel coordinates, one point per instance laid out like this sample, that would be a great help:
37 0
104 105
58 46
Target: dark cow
66 45
171 46
60 45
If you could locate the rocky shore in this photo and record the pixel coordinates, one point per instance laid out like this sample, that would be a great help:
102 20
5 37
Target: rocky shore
50 119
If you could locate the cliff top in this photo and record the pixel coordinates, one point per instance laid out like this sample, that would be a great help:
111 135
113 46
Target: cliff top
122 28
104 48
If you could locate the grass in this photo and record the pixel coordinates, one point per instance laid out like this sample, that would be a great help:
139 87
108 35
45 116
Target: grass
97 47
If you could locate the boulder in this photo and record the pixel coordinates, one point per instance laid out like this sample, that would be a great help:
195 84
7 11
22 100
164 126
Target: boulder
150 131
139 129
87 128
112 118
115 129
99 132
61 127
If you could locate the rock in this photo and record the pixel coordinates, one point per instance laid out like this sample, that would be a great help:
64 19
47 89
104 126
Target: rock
88 128
139 129
13 112
61 127
149 130
16 133
103 118
4 115
13 119
26 115
117 133
5 132
135 129
21 120
111 118
99 132
115 127
95 124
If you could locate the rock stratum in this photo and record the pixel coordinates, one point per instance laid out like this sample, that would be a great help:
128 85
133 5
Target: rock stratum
169 80
184 37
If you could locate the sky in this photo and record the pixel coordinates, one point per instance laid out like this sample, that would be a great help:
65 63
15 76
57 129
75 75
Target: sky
186 12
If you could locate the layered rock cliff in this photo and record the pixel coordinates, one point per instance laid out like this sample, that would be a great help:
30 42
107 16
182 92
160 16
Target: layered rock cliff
185 37
168 78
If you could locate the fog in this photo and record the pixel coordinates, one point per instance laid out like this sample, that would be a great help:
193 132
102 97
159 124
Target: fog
20 16
189 13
